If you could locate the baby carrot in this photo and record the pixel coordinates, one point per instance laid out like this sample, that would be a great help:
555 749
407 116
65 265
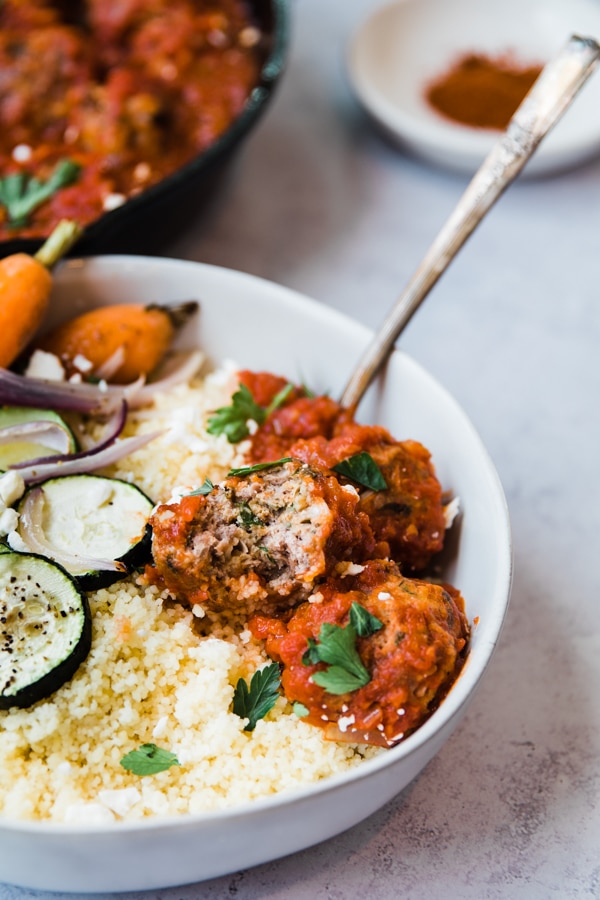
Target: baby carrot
141 334
25 284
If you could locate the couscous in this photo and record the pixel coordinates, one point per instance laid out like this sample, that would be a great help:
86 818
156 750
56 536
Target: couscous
153 678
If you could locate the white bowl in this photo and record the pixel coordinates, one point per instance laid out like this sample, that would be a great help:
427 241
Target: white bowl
264 326
401 47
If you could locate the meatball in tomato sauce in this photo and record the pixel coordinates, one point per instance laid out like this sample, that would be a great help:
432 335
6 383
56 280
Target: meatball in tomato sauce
260 540
411 656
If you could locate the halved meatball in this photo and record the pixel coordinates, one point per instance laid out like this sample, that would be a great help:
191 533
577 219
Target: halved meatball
261 540
411 660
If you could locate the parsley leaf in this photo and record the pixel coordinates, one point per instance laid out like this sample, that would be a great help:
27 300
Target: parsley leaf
254 702
363 469
149 759
248 470
364 623
204 489
246 518
336 646
311 657
232 420
279 399
21 194
337 680
300 709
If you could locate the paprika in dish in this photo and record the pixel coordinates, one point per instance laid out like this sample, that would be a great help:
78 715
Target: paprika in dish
482 91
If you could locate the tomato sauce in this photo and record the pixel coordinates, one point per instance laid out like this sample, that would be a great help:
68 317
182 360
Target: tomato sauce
133 92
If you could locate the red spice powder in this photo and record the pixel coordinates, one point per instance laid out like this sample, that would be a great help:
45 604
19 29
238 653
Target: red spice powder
482 91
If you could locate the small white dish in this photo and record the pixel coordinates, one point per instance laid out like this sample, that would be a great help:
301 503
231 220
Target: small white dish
262 325
405 45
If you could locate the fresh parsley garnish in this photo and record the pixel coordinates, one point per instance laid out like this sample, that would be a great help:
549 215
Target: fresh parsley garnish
336 646
21 194
204 489
259 467
300 709
254 702
363 469
232 420
246 517
363 621
149 759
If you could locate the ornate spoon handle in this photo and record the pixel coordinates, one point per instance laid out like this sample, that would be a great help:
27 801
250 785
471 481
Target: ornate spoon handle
555 88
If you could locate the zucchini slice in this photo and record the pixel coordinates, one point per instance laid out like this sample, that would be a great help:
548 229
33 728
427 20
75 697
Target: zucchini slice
45 628
21 450
88 522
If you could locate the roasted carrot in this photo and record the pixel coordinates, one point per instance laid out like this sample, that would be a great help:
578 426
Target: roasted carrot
142 334
25 284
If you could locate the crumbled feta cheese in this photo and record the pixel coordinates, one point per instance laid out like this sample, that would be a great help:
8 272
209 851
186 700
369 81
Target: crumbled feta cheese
88 814
160 729
383 595
401 711
113 201
317 597
350 489
121 800
198 611
82 363
22 153
16 542
451 510
45 365
9 520
345 721
252 426
12 487
344 569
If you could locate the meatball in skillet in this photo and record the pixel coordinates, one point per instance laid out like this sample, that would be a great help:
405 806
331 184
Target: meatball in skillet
260 540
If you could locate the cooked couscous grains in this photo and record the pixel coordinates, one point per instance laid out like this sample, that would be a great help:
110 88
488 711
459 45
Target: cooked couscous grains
156 674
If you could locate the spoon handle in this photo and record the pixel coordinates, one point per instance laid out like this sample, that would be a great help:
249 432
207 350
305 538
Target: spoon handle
551 94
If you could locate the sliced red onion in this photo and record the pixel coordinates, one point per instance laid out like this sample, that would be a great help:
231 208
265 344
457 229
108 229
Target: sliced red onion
19 390
111 365
84 461
47 433
181 368
32 534
113 428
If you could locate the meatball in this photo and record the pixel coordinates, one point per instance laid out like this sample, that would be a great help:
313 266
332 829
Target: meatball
409 515
259 541
412 656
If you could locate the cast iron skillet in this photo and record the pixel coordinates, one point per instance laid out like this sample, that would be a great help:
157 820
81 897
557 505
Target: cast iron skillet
143 223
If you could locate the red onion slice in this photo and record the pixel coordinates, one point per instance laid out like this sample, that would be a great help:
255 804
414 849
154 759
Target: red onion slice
32 534
181 368
48 434
84 461
19 390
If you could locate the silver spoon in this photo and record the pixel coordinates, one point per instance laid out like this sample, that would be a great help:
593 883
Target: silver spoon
551 94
